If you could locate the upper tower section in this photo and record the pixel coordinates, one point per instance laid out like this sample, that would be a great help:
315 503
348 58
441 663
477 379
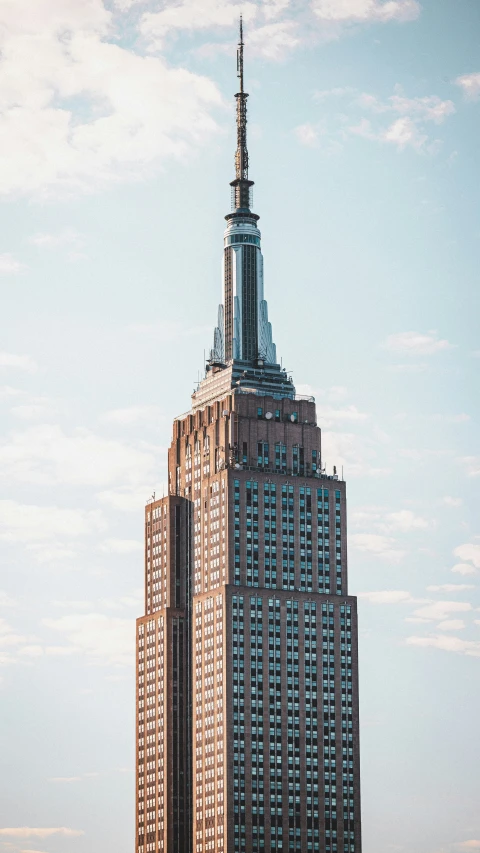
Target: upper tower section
241 185
244 355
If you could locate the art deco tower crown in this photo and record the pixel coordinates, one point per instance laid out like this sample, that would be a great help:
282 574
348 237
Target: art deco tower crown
243 348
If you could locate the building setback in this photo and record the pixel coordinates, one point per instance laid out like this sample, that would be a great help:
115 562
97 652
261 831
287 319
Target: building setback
247 665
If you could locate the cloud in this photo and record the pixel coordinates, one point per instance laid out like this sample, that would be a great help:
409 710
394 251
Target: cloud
10 643
453 502
356 454
470 85
447 644
472 465
6 600
416 343
450 587
464 569
18 362
103 640
45 454
67 238
274 41
307 134
440 610
383 547
156 26
130 112
36 408
337 92
407 368
127 500
30 832
451 625
427 108
403 132
120 546
364 11
406 520
408 129
65 779
133 415
469 552
9 265
330 416
28 523
389 596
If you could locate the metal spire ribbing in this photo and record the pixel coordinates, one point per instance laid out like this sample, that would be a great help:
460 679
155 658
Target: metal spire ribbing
241 183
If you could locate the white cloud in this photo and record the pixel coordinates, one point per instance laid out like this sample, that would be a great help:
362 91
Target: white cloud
470 553
18 362
186 15
403 520
355 453
472 465
127 500
406 520
307 134
427 108
440 610
9 265
32 651
36 408
46 455
451 501
403 132
464 569
450 587
407 368
133 415
470 85
337 92
65 779
7 392
28 523
6 600
416 343
447 644
383 547
389 596
451 625
274 41
120 546
330 416
408 129
103 640
67 238
364 11
11 643
40 832
132 113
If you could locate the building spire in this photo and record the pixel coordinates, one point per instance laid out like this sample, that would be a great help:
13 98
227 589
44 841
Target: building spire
241 184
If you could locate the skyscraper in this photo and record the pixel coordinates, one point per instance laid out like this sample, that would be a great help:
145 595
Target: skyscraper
247 665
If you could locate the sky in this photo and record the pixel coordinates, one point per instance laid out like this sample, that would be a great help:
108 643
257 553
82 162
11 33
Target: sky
116 151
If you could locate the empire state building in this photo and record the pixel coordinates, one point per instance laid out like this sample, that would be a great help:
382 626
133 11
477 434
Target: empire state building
247 727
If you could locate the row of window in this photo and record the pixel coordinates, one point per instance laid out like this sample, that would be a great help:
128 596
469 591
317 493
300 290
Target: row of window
289 546
276 759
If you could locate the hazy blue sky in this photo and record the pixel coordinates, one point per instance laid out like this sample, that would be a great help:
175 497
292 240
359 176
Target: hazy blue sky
116 149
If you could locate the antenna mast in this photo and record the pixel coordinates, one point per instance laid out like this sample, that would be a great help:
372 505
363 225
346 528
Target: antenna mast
241 184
